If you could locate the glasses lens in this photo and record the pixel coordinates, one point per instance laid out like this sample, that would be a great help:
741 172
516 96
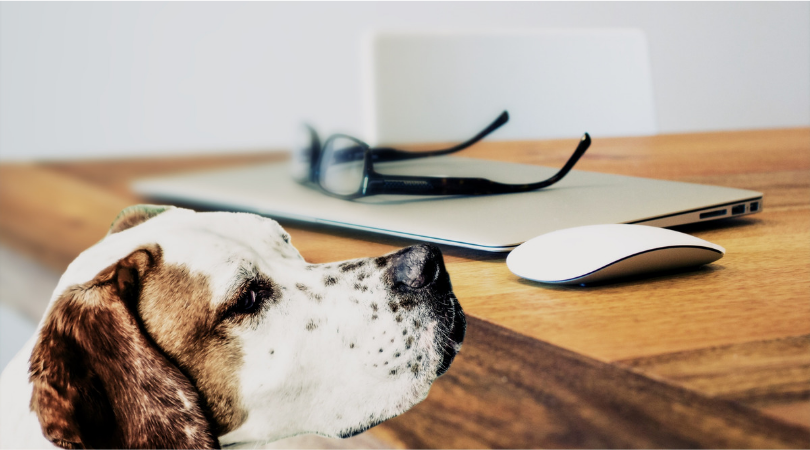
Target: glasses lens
304 149
342 166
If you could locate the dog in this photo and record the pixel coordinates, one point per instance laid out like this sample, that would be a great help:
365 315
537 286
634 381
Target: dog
182 329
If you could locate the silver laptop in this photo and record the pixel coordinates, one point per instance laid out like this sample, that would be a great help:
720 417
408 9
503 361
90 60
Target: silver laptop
494 223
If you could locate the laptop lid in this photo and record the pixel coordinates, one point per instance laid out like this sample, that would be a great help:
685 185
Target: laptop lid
495 223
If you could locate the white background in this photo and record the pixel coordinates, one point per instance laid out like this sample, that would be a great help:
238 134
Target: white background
115 79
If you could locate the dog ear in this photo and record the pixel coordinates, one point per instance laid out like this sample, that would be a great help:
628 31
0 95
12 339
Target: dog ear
136 215
98 379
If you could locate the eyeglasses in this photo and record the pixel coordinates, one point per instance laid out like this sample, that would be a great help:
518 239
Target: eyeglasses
343 167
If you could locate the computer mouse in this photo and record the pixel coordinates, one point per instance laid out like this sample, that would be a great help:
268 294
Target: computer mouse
596 253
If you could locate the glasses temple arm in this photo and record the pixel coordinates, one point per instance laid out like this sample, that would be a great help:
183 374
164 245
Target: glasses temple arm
394 184
383 154
582 147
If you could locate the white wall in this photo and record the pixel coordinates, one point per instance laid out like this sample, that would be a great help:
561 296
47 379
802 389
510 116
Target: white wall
109 79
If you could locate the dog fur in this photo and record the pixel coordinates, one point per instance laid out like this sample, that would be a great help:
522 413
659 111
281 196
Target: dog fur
195 330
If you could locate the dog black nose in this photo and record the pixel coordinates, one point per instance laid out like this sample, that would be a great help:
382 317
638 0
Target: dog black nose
417 266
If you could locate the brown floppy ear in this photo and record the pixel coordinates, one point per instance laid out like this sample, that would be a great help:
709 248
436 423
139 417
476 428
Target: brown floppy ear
98 379
136 215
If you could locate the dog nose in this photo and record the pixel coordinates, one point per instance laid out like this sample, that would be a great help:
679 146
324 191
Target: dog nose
417 266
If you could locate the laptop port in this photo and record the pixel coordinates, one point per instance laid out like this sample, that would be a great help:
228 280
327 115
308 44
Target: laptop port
754 206
710 214
739 209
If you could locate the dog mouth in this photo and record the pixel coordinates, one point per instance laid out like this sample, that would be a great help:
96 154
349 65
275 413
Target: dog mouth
452 343
456 329
363 428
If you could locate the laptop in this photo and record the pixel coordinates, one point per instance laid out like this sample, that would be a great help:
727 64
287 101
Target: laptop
492 223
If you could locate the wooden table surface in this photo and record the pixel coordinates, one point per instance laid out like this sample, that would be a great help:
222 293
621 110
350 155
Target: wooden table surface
715 357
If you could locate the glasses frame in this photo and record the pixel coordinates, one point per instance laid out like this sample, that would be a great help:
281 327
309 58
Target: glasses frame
375 183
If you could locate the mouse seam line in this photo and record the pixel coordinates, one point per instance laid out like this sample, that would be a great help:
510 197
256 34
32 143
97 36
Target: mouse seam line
633 255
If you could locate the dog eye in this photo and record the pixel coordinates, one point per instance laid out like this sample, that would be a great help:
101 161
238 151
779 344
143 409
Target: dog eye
248 301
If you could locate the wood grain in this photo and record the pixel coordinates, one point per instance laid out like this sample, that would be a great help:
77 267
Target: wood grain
51 216
509 391
679 355
772 375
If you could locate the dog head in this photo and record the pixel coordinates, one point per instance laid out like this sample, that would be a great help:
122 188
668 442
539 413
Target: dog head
184 329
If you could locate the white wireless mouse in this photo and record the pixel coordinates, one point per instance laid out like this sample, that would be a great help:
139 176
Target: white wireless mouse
594 253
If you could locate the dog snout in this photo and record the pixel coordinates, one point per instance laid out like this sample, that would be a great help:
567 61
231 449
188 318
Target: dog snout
417 266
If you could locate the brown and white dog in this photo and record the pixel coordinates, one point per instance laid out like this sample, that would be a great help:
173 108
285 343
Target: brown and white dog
184 329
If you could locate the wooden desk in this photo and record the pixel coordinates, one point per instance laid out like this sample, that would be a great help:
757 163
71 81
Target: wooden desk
717 357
